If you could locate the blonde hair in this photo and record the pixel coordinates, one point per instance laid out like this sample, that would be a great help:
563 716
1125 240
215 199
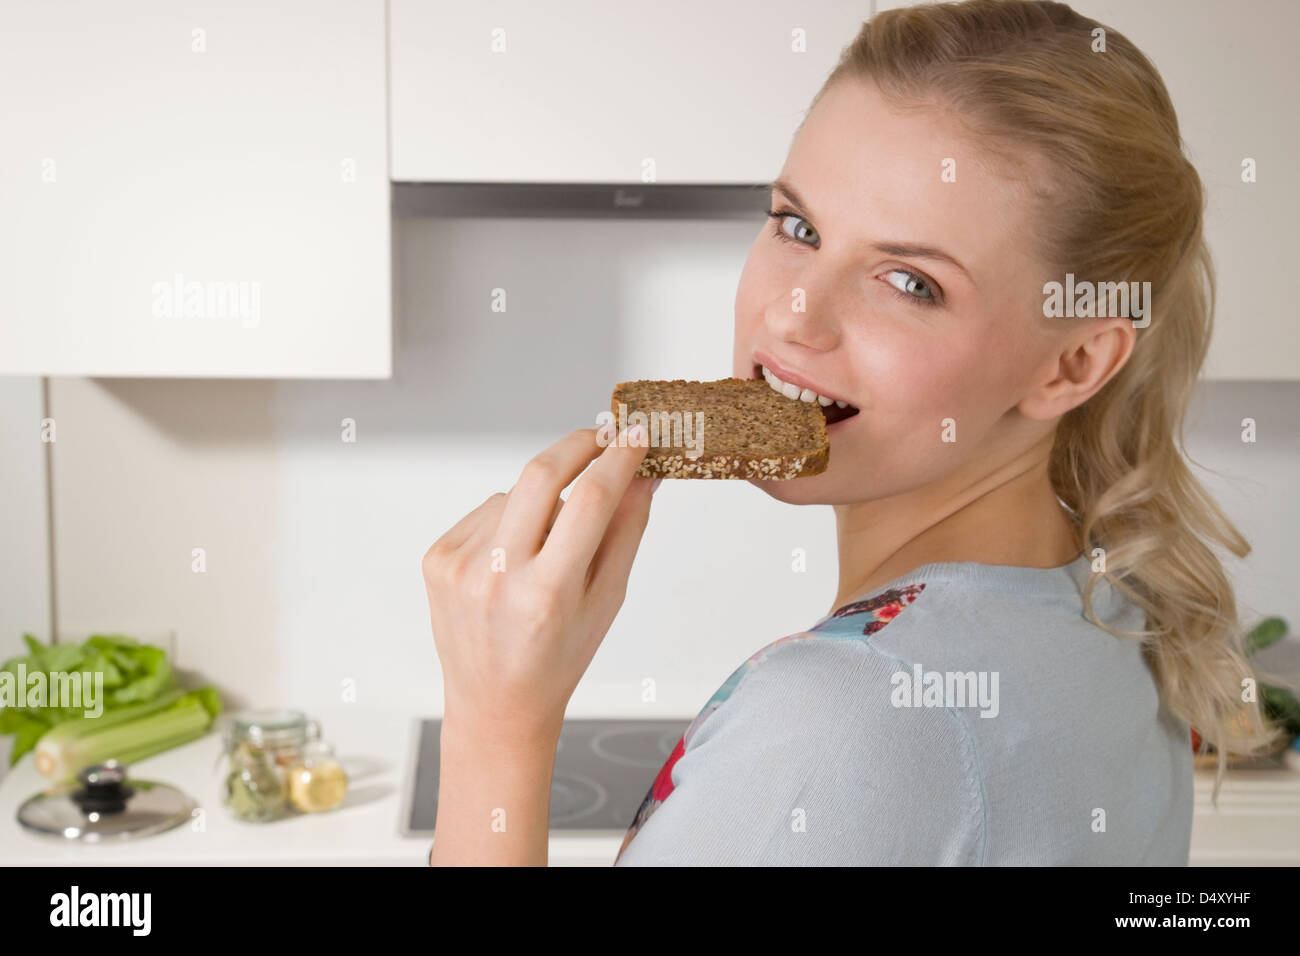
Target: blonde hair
1120 202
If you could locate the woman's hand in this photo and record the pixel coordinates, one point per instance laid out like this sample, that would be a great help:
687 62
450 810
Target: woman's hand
523 589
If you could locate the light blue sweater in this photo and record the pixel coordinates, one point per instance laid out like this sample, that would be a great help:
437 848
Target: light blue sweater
962 714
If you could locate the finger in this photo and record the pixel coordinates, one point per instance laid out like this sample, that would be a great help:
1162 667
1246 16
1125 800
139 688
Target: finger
581 525
555 513
612 565
530 506
463 529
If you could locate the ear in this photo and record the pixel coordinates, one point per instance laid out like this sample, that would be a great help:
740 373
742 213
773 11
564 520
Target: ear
1088 360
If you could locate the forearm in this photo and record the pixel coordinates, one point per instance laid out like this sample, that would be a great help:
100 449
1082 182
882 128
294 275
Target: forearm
494 793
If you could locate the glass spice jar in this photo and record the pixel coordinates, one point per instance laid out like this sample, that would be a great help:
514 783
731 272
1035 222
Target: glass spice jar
262 747
317 782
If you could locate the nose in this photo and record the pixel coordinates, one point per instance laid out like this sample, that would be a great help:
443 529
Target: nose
803 316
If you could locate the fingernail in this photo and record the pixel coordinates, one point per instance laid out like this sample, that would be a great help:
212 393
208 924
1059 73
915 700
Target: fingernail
635 434
654 485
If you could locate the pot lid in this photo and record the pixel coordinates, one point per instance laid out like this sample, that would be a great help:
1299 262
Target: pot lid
104 805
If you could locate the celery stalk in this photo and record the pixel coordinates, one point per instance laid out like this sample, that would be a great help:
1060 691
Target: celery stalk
136 754
81 726
127 735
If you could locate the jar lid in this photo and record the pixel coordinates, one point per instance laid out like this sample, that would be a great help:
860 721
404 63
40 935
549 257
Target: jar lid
271 728
104 805
317 750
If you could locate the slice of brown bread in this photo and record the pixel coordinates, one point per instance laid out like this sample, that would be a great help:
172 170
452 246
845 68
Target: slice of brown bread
749 429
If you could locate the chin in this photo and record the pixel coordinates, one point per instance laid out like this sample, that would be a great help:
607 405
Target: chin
813 490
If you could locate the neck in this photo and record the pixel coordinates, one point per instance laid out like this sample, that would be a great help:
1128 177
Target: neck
1007 516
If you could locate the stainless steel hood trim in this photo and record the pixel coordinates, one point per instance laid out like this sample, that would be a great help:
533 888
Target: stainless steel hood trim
578 201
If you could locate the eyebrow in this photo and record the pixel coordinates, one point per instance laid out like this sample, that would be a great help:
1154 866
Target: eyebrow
894 248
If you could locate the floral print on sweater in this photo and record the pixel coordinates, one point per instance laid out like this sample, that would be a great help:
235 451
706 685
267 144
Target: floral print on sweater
876 611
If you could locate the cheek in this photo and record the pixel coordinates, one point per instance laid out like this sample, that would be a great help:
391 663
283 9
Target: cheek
757 279
919 378
753 292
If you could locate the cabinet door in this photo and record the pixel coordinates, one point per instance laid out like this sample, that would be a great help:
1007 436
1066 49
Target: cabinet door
598 92
194 189
1232 84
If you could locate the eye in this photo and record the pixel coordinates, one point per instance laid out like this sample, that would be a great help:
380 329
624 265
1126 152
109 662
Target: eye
788 226
914 288
791 228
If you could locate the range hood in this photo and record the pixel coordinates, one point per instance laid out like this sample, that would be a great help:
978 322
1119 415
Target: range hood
579 201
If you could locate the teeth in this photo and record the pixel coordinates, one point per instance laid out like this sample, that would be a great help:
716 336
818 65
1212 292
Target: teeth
794 391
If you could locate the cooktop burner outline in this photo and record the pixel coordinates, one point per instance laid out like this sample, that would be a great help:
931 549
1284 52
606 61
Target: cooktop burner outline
603 770
665 745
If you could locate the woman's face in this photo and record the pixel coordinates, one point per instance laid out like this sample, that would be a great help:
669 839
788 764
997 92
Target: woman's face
909 338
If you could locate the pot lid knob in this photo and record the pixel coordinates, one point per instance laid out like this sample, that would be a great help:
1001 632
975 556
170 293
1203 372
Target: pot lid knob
103 789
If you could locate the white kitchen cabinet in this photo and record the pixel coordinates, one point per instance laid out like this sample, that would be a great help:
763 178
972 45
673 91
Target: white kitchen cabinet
1231 74
587 91
194 189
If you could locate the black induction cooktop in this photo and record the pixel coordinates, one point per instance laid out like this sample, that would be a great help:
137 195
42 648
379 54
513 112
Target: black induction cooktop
603 769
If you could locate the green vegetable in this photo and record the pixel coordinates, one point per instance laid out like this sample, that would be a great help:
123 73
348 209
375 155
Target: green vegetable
27 729
1266 632
1279 704
1282 708
133 674
128 734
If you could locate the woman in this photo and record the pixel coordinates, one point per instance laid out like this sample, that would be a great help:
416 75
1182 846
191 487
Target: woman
1029 614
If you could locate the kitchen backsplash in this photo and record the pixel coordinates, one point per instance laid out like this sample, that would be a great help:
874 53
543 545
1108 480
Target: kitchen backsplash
283 559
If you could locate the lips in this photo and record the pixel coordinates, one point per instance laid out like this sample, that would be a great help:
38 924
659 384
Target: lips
794 386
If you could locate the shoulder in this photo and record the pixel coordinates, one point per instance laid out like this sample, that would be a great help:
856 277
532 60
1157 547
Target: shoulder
807 762
840 773
839 695
859 647
836 673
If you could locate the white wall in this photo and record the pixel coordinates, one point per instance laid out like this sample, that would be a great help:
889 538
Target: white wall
24 540
1255 482
24 558
313 545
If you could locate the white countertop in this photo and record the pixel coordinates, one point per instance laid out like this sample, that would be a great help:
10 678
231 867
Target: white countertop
377 750
1257 823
